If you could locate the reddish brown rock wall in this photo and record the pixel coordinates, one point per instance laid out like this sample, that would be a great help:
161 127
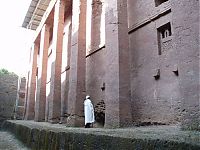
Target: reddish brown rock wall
144 65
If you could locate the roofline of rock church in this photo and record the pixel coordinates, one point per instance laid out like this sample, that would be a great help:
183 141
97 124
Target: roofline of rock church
35 13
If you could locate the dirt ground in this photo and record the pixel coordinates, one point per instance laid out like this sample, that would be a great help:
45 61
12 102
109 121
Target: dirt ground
9 142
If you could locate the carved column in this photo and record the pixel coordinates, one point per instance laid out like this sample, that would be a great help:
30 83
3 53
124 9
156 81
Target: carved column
117 91
42 75
55 97
30 104
77 64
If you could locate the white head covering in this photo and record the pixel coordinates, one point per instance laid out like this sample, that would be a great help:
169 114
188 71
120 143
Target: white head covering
87 97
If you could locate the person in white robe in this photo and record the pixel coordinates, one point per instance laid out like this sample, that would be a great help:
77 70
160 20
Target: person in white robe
89 112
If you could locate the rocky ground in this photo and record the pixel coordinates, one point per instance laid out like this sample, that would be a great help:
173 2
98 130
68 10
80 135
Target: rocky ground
8 142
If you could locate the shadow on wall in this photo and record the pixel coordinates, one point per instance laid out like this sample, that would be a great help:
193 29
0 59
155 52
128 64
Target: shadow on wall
100 113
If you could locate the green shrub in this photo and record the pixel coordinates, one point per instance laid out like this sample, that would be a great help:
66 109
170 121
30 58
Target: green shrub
4 71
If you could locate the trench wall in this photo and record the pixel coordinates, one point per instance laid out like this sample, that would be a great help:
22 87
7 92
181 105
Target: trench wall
48 136
8 94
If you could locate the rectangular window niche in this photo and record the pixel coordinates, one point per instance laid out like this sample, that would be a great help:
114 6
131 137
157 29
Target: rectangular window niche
164 38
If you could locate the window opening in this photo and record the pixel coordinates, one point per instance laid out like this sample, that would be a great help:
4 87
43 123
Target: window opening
164 38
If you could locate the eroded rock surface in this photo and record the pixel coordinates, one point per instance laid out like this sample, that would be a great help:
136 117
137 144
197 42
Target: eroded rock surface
9 142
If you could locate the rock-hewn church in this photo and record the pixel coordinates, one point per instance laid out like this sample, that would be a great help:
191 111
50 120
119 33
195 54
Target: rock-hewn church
137 59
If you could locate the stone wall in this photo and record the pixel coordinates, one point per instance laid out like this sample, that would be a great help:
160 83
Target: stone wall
8 94
186 41
53 136
154 87
164 52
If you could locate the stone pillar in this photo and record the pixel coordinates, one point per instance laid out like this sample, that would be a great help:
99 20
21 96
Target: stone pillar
55 91
26 95
30 104
65 72
20 101
77 64
117 78
42 75
185 17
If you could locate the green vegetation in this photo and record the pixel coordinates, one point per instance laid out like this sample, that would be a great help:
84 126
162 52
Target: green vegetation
4 71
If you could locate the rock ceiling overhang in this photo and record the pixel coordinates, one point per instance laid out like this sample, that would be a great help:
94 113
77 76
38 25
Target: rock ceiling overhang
35 13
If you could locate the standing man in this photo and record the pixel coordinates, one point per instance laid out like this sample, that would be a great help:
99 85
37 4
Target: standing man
89 112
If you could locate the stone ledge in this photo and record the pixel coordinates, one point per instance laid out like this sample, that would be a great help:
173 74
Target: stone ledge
53 136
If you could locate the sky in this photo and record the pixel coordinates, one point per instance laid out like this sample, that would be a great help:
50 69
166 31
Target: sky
15 41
